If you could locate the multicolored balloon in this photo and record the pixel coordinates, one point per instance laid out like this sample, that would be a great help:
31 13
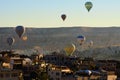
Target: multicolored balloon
81 39
88 5
20 30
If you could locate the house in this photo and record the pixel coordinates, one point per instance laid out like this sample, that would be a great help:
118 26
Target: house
60 73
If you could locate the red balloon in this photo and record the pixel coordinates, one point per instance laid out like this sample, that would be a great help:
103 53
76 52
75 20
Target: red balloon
63 16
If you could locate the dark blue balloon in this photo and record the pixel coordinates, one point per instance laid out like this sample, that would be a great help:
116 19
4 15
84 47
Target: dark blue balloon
10 40
20 30
80 37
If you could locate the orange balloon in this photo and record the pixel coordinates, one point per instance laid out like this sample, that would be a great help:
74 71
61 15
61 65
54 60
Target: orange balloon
24 38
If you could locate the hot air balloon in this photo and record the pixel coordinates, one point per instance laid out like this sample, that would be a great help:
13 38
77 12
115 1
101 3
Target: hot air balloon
90 43
20 30
63 16
88 5
24 38
69 49
10 41
81 39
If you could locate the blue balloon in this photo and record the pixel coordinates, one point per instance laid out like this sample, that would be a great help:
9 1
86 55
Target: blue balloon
81 39
10 41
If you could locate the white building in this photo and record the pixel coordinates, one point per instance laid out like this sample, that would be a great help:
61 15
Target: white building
60 73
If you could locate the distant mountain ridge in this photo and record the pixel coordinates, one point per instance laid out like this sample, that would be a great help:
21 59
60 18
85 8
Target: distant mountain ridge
58 37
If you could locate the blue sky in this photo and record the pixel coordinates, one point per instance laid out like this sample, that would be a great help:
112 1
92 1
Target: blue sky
46 13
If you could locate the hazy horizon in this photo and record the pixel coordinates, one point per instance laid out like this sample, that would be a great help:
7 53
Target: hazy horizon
63 27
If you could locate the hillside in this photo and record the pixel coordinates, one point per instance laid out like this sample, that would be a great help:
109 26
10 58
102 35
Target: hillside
51 39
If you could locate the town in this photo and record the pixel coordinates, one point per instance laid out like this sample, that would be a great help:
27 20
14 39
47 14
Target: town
56 66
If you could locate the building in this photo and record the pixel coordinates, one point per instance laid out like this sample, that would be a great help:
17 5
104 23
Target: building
60 73
108 75
108 65
6 74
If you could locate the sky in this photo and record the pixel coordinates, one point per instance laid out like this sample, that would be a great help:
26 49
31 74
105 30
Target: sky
47 13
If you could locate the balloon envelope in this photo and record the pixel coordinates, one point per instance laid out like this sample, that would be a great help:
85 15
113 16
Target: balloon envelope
20 30
63 16
90 43
81 39
10 41
69 49
88 5
24 38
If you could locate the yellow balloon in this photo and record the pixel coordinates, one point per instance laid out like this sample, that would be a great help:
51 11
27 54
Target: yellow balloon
69 49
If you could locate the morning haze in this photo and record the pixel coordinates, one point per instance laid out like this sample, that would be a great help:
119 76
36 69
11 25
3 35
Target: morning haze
53 39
